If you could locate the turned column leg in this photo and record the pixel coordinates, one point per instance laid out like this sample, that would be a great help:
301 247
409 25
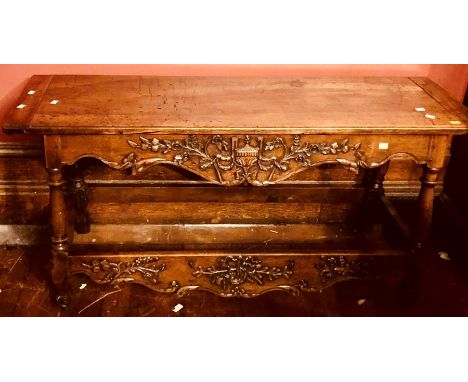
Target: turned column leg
373 191
425 205
58 225
410 285
80 191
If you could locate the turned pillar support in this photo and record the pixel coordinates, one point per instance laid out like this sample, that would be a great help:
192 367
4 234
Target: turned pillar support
58 220
425 206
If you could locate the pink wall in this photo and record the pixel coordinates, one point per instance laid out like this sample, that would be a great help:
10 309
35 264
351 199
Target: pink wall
13 77
453 78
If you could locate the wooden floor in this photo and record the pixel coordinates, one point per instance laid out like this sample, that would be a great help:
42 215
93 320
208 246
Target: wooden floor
25 291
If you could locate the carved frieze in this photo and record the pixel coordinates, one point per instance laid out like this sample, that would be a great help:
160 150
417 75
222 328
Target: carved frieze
234 160
231 274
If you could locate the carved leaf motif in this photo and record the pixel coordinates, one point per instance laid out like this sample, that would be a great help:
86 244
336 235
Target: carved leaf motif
133 144
115 273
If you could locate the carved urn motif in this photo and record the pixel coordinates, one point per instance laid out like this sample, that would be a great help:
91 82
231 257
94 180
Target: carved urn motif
247 155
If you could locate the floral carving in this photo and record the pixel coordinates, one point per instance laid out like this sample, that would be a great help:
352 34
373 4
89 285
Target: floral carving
115 273
234 160
231 273
332 268
229 276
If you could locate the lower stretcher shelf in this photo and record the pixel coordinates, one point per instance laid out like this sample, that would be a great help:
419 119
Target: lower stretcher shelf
232 260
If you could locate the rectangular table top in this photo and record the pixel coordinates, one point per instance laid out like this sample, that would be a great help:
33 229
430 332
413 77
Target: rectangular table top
83 104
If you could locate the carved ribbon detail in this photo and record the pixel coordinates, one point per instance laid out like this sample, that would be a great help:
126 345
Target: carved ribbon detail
234 160
231 273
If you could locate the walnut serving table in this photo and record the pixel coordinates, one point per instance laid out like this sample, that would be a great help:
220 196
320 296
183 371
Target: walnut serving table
241 133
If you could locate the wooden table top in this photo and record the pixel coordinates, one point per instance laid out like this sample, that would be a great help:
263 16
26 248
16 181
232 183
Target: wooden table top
82 104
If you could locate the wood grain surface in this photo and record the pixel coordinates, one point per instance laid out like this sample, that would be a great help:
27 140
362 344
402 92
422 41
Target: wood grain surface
126 104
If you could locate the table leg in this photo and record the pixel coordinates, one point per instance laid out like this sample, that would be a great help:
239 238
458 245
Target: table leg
425 205
372 192
58 224
82 224
410 286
